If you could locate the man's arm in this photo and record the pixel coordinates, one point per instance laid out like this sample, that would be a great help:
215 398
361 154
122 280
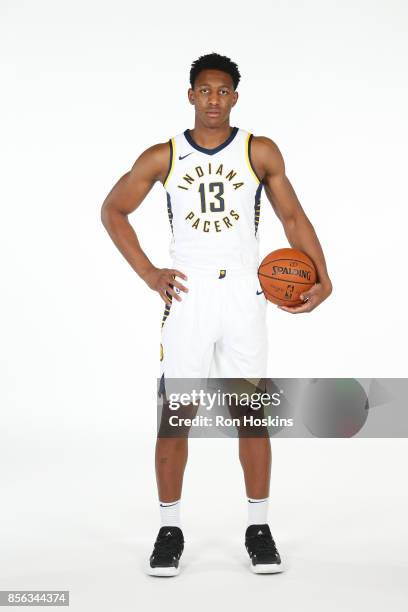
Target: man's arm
270 168
123 199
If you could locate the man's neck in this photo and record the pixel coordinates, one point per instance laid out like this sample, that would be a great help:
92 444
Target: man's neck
208 137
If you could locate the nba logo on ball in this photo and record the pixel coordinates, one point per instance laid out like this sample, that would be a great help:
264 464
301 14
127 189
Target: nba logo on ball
289 291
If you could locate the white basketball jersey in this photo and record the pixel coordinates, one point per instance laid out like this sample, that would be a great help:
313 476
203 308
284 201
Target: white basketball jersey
213 202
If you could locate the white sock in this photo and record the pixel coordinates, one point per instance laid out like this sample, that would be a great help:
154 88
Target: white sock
170 514
257 511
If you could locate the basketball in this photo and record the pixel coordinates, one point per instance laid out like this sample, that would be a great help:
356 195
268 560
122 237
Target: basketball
284 274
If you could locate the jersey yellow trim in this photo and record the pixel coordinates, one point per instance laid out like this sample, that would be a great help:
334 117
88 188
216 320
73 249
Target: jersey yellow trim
248 161
173 156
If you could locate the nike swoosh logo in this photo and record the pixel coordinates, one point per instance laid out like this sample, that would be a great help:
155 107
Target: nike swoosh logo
259 292
183 156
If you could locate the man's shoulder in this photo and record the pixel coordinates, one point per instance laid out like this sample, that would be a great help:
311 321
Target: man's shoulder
157 150
264 143
263 146
154 160
157 154
265 155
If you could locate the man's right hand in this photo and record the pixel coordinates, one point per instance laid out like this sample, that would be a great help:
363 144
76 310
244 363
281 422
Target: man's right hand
163 281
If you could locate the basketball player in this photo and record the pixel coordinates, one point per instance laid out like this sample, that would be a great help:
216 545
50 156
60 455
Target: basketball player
214 320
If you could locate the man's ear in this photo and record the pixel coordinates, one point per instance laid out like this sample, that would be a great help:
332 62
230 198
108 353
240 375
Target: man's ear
236 98
190 95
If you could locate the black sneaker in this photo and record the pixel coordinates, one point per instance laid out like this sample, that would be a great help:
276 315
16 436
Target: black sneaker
261 548
169 545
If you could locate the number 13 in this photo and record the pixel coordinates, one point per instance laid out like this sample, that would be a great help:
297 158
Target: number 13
214 206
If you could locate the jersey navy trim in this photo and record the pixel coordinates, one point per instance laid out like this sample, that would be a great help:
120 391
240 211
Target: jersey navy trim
216 149
249 156
257 206
169 211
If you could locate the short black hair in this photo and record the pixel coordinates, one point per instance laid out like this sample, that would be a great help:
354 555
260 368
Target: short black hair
214 61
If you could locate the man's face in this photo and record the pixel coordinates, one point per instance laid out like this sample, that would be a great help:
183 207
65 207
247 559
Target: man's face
213 97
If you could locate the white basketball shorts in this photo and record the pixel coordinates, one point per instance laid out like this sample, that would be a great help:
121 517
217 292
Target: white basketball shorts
219 327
